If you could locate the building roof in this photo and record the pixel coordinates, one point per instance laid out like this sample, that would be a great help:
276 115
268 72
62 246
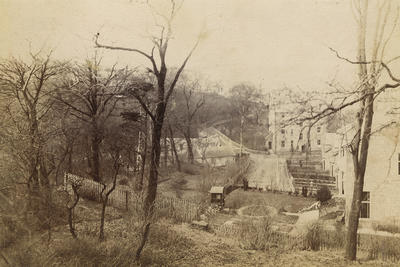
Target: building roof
217 190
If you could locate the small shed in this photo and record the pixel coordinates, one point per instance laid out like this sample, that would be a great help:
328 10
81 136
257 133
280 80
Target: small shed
217 195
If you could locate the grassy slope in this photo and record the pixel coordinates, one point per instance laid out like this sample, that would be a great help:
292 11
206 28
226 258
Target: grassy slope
170 244
290 203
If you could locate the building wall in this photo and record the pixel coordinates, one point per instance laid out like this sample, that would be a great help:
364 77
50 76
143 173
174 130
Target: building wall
292 137
381 179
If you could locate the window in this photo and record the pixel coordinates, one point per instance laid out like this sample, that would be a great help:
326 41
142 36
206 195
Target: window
318 142
269 145
301 136
399 164
318 129
283 115
283 144
291 131
365 205
282 131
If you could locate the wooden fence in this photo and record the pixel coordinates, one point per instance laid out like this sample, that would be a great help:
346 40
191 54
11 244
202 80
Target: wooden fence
90 189
125 198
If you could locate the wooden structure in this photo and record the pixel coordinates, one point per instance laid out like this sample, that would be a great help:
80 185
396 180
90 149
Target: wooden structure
217 195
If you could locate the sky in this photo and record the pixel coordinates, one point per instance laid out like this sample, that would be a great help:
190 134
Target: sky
272 44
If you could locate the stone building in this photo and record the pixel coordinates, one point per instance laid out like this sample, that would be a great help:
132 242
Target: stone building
381 194
287 137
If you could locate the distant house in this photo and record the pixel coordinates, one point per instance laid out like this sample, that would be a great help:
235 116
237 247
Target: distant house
381 195
217 158
284 138
210 147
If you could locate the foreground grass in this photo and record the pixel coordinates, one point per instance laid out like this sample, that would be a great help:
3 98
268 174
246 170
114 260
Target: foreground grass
171 245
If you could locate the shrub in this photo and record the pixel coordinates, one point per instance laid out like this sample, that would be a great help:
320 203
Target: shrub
10 231
80 252
387 248
317 237
189 169
324 194
387 227
313 237
123 181
304 191
257 234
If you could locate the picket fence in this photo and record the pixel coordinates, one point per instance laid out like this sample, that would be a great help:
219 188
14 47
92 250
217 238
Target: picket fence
125 198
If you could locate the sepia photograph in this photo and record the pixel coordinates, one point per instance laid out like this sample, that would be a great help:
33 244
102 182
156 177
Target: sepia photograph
199 133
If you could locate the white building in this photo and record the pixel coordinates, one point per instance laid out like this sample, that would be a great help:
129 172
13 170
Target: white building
381 194
284 137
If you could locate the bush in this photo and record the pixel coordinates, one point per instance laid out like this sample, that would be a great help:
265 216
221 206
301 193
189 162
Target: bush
258 234
123 181
317 237
10 231
387 227
304 191
190 169
386 248
313 237
324 194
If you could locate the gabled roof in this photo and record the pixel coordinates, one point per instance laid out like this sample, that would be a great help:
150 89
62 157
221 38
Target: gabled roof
217 190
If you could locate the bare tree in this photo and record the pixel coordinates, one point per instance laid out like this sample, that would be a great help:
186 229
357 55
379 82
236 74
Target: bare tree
163 94
244 98
189 101
76 183
92 95
173 147
375 76
26 90
107 190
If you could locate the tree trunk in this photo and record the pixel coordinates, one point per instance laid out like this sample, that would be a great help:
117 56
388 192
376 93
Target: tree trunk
143 162
139 184
165 151
153 173
70 223
145 235
189 146
155 159
103 213
361 144
241 136
69 167
95 157
70 211
178 163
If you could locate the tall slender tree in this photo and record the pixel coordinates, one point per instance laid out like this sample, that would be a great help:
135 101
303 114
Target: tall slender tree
163 92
